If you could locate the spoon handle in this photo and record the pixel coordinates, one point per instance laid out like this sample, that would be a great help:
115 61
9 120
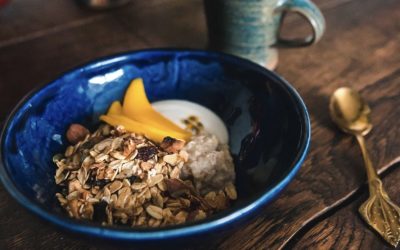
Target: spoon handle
379 211
371 172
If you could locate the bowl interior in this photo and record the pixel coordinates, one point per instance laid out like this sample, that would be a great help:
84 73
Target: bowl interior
266 121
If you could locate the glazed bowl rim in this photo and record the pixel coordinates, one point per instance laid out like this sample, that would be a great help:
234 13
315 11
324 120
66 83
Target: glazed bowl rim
185 230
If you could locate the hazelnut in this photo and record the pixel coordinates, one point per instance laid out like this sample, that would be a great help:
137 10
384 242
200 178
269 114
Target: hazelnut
76 133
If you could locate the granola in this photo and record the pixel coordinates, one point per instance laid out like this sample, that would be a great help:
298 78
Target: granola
113 176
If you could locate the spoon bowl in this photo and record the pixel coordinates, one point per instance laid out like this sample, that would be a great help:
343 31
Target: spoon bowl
350 112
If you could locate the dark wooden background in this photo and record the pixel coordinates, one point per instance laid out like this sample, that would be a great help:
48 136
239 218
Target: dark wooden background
39 39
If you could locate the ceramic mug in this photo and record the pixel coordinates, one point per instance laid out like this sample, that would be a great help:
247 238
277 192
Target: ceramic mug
250 28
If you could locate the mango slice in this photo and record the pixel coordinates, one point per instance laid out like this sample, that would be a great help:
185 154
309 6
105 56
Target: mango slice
138 116
137 106
150 132
115 108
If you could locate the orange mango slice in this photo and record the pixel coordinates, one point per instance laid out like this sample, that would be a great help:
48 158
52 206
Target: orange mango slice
137 106
150 132
138 116
115 108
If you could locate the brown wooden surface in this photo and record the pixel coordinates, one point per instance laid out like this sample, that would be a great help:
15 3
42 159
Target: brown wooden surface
345 229
40 39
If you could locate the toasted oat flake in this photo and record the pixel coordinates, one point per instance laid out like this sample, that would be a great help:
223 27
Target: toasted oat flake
116 177
154 180
155 212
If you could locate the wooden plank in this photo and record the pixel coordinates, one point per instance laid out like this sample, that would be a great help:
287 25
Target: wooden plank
345 229
26 18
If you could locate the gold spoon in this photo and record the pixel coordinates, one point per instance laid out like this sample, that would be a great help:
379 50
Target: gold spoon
349 111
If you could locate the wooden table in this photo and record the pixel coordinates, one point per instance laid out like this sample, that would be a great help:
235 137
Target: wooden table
39 39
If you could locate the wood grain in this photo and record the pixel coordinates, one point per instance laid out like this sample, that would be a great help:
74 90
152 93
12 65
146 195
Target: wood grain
345 229
42 59
358 50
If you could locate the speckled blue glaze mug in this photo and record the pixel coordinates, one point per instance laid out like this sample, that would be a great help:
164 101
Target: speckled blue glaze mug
250 28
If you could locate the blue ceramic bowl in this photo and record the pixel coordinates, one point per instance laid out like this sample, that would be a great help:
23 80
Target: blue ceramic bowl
267 121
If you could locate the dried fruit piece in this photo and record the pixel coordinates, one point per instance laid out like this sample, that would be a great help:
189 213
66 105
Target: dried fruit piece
172 145
145 153
176 188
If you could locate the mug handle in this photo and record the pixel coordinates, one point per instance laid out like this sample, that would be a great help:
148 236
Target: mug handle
313 15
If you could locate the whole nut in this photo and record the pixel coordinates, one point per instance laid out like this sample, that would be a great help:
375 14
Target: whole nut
76 133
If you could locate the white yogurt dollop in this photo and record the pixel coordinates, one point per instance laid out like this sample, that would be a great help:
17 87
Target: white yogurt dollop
179 110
